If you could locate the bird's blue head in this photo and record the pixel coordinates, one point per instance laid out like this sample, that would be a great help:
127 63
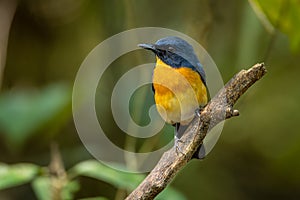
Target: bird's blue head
176 52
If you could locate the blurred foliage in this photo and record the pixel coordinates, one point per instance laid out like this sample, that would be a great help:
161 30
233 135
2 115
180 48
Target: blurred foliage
95 198
15 175
41 187
283 15
44 186
257 154
114 177
44 183
23 112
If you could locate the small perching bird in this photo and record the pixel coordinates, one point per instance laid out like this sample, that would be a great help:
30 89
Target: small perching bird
179 84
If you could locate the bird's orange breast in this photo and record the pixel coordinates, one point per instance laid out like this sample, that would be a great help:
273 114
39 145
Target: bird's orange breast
178 92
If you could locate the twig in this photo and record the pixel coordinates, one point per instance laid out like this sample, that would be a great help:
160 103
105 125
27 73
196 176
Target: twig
217 110
57 173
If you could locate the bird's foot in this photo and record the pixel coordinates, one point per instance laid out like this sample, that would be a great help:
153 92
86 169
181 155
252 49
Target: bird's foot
199 110
177 147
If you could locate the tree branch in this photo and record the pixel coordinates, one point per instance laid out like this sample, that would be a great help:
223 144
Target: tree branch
217 110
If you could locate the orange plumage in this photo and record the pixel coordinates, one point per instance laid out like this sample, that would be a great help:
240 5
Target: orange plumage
178 92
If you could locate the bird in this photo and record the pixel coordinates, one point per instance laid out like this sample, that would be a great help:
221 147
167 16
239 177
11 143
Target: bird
178 83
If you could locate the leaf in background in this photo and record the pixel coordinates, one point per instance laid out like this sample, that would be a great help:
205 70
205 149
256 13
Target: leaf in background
69 189
95 198
97 170
18 174
170 193
119 179
42 188
282 14
24 112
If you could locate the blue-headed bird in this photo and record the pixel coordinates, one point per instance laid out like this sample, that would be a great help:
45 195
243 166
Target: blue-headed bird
179 84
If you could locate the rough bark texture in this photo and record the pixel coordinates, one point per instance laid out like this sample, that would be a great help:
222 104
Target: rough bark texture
217 110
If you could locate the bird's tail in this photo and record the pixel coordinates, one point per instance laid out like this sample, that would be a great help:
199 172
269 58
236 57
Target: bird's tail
179 131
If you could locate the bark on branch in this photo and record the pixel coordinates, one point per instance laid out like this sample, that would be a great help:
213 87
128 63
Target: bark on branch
217 110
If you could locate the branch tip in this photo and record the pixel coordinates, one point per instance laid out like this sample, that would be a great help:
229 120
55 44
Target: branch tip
235 113
230 112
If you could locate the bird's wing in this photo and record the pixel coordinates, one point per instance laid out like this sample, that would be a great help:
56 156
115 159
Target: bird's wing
201 71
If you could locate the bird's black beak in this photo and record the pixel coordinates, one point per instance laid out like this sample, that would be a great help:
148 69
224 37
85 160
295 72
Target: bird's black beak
148 46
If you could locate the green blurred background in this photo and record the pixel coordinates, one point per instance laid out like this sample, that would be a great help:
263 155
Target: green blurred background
257 155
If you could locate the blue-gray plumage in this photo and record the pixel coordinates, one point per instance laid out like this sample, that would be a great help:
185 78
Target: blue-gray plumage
176 52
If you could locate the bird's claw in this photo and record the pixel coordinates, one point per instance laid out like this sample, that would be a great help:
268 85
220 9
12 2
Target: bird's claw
177 147
199 110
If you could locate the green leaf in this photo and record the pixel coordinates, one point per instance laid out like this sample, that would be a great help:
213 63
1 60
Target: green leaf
119 179
42 188
97 170
69 189
94 198
284 14
170 193
23 112
14 175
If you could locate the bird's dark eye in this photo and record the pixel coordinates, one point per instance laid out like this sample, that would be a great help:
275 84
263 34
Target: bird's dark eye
161 53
